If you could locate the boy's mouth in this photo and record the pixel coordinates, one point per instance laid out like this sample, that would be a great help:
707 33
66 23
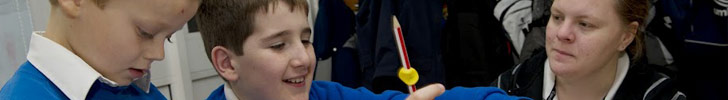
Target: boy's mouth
296 81
136 73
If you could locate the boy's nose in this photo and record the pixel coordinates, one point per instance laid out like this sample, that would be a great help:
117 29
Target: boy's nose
300 57
155 51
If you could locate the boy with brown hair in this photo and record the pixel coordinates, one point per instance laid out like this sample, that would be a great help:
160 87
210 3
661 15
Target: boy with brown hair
262 49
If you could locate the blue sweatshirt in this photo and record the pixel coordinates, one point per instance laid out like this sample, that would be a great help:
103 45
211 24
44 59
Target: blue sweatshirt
30 84
322 90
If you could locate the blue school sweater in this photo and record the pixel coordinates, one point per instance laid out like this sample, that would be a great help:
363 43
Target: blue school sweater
30 84
322 90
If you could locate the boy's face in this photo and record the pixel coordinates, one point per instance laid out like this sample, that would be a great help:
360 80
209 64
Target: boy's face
121 40
278 58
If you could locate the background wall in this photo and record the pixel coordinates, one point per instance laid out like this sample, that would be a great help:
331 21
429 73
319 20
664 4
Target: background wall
14 20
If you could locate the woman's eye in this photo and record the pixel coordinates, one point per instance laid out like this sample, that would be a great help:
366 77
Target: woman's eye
584 24
278 45
557 18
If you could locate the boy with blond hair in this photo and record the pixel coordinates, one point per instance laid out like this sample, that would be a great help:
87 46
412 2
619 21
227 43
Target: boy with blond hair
97 49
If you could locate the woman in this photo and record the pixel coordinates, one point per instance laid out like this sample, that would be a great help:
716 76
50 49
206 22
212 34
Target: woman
592 49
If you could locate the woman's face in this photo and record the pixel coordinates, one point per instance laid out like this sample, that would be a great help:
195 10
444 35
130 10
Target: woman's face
583 36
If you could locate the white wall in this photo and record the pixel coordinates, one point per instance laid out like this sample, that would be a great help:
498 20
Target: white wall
185 72
15 30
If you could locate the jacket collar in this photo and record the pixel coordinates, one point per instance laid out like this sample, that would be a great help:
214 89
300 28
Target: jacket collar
229 94
622 69
73 76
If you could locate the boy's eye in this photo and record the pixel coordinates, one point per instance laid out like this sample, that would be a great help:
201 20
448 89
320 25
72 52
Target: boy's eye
169 40
145 34
306 43
278 45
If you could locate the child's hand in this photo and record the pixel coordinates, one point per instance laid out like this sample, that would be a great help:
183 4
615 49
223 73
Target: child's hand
428 92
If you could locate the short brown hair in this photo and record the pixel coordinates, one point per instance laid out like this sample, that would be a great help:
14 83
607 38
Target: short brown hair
228 23
634 11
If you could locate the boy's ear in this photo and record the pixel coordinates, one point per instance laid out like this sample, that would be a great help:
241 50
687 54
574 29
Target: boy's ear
70 8
223 64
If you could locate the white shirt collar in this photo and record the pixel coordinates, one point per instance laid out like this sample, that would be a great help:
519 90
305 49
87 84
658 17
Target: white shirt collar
73 76
622 68
229 94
